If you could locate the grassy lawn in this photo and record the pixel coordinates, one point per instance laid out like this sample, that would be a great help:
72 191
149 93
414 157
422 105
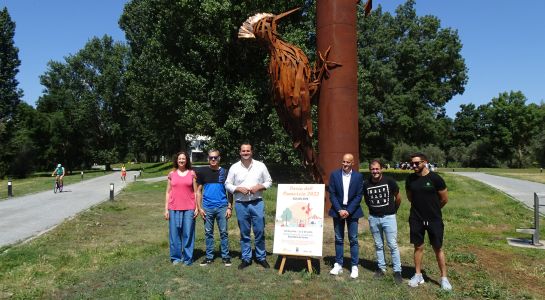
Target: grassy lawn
43 182
120 250
525 174
530 174
138 166
161 169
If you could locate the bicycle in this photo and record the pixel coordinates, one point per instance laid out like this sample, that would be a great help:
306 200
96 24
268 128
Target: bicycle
58 186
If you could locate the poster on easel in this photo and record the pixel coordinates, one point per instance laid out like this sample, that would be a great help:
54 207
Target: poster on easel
299 221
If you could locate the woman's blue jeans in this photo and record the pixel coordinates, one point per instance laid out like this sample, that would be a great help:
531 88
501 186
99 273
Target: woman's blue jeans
181 231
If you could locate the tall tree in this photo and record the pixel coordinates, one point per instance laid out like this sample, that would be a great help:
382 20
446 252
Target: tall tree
10 95
31 135
511 127
410 68
86 99
468 124
538 141
190 74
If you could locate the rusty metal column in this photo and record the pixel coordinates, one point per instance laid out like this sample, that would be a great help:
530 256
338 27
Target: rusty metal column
338 105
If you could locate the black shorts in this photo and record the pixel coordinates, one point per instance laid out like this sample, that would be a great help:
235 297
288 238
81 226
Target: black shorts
435 231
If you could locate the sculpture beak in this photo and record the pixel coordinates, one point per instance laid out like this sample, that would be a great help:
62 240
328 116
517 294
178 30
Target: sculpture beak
284 14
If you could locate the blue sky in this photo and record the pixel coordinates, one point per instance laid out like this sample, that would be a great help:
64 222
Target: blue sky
53 29
503 45
503 41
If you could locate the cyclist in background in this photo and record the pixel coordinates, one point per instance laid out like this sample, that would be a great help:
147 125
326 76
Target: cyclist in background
59 174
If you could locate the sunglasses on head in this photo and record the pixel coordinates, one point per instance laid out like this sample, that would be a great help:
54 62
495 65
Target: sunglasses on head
213 157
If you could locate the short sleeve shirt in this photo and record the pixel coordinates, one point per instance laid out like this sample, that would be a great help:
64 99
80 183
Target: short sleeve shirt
59 171
213 181
426 204
380 196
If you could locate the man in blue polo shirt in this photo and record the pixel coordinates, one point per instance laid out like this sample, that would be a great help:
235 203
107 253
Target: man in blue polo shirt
215 206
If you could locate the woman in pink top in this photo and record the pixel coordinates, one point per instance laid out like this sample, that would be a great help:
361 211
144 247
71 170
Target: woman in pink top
180 209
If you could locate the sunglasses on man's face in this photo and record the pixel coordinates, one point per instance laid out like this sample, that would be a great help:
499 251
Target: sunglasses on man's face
416 163
213 157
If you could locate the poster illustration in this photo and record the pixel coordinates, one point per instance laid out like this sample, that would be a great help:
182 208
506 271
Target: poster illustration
298 228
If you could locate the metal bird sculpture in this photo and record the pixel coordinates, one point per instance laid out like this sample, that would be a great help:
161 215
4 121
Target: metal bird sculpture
294 83
368 6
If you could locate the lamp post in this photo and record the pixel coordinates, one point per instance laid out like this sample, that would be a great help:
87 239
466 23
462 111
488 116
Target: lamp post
10 191
112 191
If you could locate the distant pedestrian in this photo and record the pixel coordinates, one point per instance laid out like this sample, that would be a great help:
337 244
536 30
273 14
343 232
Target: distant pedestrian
181 209
427 193
123 173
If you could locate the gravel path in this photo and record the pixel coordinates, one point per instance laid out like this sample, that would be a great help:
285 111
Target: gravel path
22 218
518 189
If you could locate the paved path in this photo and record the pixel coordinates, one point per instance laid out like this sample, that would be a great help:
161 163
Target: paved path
521 190
24 217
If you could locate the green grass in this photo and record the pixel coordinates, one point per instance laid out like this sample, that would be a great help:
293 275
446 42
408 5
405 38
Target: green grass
161 169
531 174
156 170
524 174
43 182
137 166
120 250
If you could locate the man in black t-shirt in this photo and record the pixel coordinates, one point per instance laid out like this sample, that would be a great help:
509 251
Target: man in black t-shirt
381 195
427 193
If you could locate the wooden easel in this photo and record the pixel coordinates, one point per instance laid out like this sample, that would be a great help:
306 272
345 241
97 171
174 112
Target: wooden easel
283 262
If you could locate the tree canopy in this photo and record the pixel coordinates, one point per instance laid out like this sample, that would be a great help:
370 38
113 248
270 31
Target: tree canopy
409 68
10 94
184 71
87 106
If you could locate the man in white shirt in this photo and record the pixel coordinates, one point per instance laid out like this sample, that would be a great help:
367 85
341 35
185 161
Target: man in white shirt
246 180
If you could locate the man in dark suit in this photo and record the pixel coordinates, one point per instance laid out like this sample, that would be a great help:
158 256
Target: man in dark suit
345 193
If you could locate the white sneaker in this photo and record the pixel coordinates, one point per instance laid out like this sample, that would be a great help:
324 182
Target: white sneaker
337 269
445 285
416 280
354 273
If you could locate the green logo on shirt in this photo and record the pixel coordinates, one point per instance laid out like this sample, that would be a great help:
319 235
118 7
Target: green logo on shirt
428 185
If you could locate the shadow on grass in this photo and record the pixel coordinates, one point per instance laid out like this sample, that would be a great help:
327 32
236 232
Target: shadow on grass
365 263
298 264
199 254
406 271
